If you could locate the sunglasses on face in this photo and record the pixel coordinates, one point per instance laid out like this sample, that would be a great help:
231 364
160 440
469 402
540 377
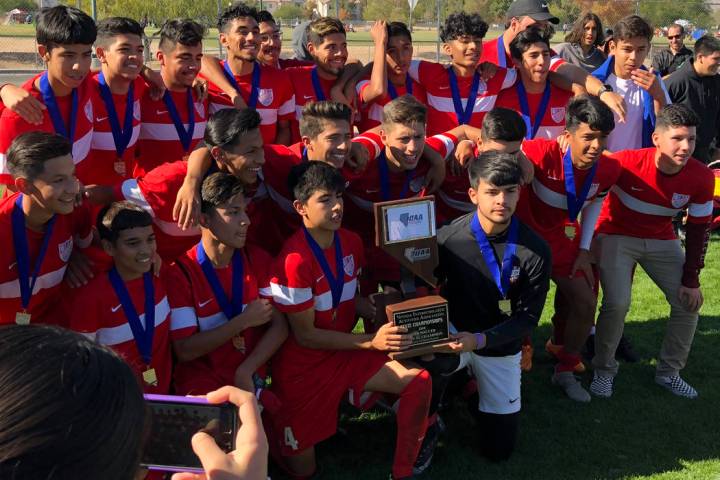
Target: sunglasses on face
674 37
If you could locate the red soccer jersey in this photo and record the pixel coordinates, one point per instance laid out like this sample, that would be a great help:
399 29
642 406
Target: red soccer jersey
435 79
301 78
12 125
284 63
371 113
195 309
543 204
644 200
276 99
159 141
96 311
68 231
490 54
552 124
103 166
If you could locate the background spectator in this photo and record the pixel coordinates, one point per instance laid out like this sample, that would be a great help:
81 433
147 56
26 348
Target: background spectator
669 59
582 44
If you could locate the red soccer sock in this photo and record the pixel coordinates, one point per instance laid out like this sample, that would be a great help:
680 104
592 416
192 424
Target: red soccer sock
412 418
566 361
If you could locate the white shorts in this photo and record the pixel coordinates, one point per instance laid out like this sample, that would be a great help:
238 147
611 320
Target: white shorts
498 381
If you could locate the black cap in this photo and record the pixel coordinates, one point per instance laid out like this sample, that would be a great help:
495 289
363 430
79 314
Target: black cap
535 9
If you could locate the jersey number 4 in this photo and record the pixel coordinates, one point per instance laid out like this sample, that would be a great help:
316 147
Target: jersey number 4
290 439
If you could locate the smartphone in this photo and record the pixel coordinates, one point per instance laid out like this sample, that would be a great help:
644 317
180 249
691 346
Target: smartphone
173 422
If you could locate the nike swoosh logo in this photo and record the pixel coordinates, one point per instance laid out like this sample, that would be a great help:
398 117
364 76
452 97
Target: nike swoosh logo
160 112
100 119
371 191
308 97
553 178
443 88
514 400
202 304
635 189
115 309
12 265
319 278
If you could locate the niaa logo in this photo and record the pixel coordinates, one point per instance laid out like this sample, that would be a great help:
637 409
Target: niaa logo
415 218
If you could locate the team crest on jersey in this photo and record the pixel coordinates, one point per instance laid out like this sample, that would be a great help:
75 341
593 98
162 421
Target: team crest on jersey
417 184
349 265
265 96
200 109
136 110
679 200
557 114
593 190
515 274
65 249
89 111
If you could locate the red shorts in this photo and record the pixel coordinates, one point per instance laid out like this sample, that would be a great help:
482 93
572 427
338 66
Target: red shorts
311 397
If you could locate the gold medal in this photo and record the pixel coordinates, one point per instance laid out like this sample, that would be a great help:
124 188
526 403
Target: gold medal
22 318
120 167
150 377
505 306
570 231
334 315
238 342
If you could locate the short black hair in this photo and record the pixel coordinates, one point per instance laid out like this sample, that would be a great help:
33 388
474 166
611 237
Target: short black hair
460 24
28 153
503 124
119 216
398 29
590 110
309 177
238 10
498 168
63 25
315 114
111 27
180 30
225 127
630 27
676 115
526 39
706 45
265 16
217 189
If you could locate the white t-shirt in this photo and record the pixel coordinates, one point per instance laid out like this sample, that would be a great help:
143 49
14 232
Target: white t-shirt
628 135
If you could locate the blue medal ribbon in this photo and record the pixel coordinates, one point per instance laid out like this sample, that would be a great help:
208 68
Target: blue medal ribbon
532 127
22 255
501 277
185 135
304 157
120 136
575 202
317 86
143 335
230 307
502 55
254 86
392 91
463 114
337 281
385 178
48 96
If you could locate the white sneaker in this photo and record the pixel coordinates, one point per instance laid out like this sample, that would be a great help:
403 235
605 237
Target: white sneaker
602 385
677 386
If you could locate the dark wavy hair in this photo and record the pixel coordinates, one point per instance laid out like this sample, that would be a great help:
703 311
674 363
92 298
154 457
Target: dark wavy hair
460 24
578 31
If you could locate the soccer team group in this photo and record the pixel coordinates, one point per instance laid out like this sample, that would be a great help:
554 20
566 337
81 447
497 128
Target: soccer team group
213 222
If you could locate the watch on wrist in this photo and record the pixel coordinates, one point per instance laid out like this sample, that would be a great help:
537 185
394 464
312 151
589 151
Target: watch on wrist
605 88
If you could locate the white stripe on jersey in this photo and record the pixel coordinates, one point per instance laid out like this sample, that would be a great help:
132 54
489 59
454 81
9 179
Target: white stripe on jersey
323 302
81 147
641 206
123 333
456 204
284 203
446 104
215 320
447 142
11 289
3 165
105 140
182 317
290 296
701 209
166 132
288 107
550 197
268 116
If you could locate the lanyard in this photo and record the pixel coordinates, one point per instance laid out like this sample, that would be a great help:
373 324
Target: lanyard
385 178
532 128
51 103
22 256
501 278
185 135
317 86
230 307
337 282
392 91
463 114
575 202
254 86
143 335
502 55
120 136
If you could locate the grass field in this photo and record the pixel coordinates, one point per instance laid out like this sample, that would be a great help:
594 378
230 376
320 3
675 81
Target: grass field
642 432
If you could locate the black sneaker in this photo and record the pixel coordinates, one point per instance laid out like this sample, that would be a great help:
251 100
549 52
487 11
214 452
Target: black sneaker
625 351
427 449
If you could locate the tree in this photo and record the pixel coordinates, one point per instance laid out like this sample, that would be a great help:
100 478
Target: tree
289 11
27 5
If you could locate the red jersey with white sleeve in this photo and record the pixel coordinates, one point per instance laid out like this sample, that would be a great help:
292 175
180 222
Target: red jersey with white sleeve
552 123
275 102
435 79
195 309
301 78
644 200
490 53
371 114
310 382
12 125
103 165
97 313
159 140
69 231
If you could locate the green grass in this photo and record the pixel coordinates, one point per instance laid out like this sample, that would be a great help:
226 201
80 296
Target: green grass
641 433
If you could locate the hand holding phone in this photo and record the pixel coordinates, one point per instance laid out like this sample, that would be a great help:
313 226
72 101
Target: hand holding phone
249 459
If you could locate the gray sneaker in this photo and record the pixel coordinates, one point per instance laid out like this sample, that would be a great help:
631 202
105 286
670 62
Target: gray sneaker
572 386
602 385
677 385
